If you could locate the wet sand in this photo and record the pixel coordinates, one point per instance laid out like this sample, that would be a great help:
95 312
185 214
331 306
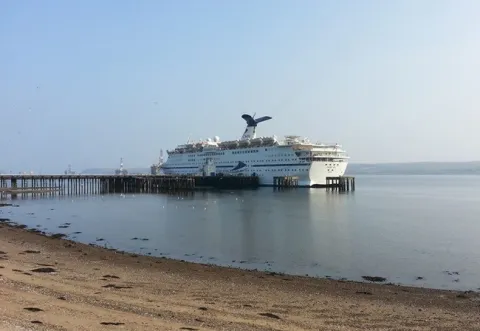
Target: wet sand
91 288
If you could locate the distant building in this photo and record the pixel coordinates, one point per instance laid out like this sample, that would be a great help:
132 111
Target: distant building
155 169
121 172
69 171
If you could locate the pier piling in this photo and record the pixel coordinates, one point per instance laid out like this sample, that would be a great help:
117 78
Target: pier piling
285 181
49 185
36 186
341 184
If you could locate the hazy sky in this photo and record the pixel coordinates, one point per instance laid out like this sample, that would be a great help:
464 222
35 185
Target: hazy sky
87 82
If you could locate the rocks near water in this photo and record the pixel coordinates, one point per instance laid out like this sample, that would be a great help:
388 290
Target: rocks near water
44 270
376 279
270 315
111 276
116 286
29 251
112 323
58 235
364 292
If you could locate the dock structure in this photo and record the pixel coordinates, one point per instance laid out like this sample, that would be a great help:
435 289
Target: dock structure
285 181
50 185
226 182
341 184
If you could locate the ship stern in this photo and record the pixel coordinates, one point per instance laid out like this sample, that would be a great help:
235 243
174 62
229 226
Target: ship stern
319 171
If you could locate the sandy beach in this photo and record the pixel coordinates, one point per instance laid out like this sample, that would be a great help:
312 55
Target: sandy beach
57 284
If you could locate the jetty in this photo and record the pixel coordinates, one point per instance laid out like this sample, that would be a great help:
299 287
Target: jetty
285 181
339 184
49 185
73 184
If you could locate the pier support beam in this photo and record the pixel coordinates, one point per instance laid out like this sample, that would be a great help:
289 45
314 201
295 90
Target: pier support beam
341 184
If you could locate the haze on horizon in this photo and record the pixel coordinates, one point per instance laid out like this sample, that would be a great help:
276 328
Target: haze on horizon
88 82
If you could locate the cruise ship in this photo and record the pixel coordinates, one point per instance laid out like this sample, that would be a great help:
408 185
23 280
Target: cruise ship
265 157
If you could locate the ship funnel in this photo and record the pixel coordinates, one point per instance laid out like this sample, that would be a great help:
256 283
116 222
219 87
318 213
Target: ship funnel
250 131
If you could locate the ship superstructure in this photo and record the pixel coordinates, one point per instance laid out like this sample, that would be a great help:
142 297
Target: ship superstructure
265 157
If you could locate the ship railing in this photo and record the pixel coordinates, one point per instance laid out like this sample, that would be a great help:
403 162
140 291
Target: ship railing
222 147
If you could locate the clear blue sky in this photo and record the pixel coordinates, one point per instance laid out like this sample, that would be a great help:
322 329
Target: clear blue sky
87 82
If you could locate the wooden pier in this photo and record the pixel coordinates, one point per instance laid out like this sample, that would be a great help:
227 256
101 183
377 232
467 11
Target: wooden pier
341 184
50 185
285 181
226 182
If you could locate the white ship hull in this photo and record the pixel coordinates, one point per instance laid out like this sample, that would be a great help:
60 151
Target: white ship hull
308 173
264 157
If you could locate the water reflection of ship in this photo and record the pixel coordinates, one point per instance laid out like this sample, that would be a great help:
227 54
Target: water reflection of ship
332 230
248 243
121 170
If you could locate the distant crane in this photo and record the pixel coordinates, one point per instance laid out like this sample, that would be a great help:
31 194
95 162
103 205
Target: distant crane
121 171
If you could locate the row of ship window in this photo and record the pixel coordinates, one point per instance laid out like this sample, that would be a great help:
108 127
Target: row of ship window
235 162
252 151
241 152
246 151
259 161
288 169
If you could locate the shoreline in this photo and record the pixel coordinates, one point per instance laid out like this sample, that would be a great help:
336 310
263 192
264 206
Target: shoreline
91 285
238 265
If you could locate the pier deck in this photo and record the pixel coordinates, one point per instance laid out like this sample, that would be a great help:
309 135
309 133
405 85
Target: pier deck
49 185
46 185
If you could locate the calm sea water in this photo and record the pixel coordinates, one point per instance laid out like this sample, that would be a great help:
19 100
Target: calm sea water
398 227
